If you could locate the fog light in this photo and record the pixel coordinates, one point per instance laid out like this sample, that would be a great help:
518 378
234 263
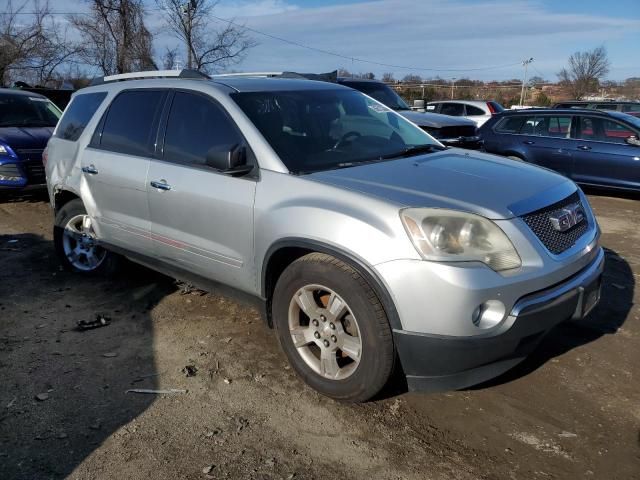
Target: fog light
488 314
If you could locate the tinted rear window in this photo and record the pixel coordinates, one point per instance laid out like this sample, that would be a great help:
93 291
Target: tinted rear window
455 109
77 114
130 124
474 111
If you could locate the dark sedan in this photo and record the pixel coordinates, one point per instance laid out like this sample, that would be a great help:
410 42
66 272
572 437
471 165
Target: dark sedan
600 148
27 121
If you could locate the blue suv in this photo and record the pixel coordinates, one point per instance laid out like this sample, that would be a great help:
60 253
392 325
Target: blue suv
27 121
600 148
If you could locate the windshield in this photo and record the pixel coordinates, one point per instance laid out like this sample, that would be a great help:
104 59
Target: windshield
314 130
27 111
381 92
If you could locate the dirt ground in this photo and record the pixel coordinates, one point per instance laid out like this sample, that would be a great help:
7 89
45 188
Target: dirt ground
571 411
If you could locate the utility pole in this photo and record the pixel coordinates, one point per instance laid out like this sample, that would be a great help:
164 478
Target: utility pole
525 64
187 11
453 85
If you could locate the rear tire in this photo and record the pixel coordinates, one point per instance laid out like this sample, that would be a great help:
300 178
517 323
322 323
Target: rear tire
343 345
76 244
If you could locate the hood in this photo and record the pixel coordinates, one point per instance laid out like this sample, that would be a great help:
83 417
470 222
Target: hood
487 185
435 120
27 137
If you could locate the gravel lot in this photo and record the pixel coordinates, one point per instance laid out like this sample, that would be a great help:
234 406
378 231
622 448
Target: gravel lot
570 411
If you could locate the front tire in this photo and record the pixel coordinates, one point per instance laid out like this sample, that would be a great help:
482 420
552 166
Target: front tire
333 328
76 244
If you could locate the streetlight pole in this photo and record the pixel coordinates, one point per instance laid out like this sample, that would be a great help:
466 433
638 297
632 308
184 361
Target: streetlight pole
525 64
453 85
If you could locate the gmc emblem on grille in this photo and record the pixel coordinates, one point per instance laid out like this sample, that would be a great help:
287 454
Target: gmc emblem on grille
567 217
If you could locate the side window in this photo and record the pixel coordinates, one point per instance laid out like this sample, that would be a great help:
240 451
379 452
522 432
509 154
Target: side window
556 126
195 126
455 109
588 130
529 126
615 132
474 111
631 107
131 122
77 114
512 124
606 106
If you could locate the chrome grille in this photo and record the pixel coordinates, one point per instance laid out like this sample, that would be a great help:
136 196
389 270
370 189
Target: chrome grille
556 241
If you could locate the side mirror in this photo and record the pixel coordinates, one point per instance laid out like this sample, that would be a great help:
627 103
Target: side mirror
229 159
633 140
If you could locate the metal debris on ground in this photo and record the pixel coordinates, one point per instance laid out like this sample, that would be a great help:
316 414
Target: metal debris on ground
226 380
158 392
190 370
41 397
208 469
187 288
100 321
110 354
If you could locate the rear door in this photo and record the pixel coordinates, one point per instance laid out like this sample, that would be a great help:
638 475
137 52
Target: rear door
453 109
201 219
602 156
115 167
551 144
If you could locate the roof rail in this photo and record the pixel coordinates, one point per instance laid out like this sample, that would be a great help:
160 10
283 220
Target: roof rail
247 74
185 73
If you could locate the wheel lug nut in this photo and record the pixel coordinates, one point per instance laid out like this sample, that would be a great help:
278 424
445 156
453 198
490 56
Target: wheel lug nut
323 318
326 343
332 326
334 339
315 322
316 334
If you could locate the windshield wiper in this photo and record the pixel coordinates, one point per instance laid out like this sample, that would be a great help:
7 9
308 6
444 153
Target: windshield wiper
414 150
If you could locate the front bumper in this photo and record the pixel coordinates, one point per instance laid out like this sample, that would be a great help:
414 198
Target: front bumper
439 362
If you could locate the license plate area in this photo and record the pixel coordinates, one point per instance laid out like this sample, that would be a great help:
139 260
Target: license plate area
589 298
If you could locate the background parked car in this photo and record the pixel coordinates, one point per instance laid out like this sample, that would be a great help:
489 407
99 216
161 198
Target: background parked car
631 108
477 111
26 123
451 131
589 146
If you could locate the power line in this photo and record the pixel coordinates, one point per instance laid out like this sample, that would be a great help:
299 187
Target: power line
315 49
361 60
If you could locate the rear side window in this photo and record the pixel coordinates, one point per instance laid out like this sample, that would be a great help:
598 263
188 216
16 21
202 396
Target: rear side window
513 124
77 114
455 109
631 107
195 126
607 106
474 111
131 122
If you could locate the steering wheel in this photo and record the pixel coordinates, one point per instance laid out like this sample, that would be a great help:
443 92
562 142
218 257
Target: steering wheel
349 135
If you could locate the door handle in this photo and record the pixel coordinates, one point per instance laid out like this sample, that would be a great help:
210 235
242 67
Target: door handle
528 142
91 170
160 185
584 147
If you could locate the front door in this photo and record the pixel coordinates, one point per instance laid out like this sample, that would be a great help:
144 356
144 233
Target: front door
115 168
603 157
201 219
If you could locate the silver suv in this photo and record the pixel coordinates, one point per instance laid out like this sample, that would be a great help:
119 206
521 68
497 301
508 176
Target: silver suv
369 243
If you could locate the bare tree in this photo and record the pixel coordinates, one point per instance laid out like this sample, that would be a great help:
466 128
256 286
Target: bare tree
585 71
207 48
388 77
32 45
170 59
412 78
115 38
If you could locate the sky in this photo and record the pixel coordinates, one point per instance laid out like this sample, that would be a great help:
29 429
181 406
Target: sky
479 39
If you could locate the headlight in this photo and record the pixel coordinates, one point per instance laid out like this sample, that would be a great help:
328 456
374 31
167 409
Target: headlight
6 150
450 236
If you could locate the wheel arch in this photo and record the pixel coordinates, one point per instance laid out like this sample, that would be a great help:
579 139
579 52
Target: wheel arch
285 251
61 197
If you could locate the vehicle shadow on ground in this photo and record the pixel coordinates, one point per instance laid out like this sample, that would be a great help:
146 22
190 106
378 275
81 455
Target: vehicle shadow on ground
618 286
31 196
64 390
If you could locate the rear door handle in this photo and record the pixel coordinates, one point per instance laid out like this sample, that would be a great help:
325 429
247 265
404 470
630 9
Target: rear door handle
584 147
91 170
160 185
528 142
